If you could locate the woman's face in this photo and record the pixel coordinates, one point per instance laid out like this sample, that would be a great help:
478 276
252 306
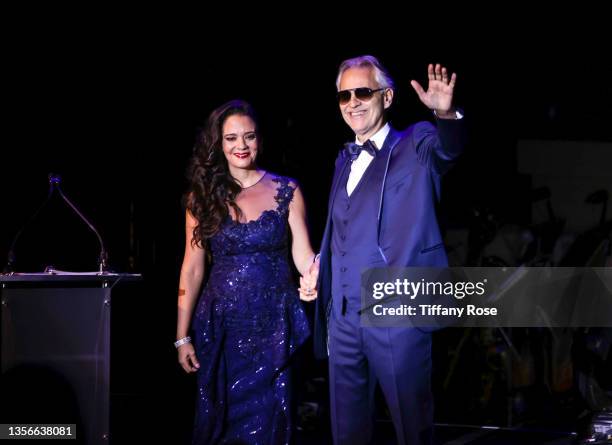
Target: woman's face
239 142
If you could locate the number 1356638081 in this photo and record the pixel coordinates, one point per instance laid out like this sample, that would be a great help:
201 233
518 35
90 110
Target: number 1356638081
41 431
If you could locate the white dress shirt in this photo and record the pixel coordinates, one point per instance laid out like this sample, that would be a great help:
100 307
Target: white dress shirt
359 165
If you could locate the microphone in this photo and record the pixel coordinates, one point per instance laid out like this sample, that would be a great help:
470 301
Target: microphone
54 179
55 184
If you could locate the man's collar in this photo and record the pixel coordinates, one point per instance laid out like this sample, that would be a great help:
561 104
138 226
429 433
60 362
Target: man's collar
379 137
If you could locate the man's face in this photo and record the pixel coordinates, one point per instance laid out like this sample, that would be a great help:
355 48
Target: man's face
365 117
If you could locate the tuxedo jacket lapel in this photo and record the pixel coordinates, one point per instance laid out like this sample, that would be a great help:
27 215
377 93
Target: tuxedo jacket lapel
337 182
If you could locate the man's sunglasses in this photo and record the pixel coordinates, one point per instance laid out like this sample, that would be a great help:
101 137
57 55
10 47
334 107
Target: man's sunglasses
362 93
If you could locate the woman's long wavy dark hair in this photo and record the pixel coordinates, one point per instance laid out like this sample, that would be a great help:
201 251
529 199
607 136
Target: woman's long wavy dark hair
211 187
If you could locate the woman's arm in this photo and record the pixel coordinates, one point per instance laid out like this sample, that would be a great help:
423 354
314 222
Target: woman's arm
192 274
301 249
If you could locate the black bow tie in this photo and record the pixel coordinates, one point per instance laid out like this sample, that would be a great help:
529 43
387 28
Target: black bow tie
354 149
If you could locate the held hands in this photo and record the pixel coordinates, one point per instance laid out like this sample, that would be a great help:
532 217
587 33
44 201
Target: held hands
187 358
308 283
439 94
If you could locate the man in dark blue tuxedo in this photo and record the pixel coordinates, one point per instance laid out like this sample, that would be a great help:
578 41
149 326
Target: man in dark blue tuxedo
382 213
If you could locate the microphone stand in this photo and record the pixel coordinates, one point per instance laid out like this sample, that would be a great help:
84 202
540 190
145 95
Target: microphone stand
54 184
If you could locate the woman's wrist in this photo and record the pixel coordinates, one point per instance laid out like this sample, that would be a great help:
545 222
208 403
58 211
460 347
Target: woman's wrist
310 262
182 341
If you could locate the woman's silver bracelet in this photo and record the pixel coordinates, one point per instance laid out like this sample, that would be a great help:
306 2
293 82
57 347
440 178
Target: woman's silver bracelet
182 341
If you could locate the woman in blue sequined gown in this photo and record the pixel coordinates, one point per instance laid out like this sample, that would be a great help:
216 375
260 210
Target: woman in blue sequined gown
248 320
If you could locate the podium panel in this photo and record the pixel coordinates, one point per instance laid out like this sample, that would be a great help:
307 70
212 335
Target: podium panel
55 353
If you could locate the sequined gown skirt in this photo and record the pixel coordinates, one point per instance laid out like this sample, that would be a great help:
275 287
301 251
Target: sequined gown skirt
248 323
